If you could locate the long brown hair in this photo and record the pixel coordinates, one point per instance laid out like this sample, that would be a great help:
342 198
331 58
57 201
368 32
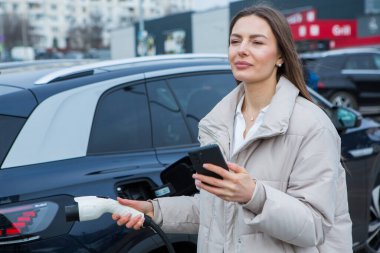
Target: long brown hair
291 67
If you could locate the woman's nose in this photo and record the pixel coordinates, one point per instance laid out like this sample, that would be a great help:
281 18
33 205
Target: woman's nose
242 48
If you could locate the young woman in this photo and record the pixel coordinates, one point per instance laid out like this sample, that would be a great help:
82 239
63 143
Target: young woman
285 190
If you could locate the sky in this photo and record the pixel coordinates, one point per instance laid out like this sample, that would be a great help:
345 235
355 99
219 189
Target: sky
199 5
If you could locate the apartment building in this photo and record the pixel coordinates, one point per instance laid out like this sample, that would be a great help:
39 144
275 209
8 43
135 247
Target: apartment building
50 20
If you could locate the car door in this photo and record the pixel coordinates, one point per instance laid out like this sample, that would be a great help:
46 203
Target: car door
179 102
364 71
121 134
171 135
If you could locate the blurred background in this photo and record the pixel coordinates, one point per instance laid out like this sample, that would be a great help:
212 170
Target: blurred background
104 29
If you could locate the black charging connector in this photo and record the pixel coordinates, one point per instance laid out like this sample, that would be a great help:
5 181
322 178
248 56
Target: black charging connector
148 222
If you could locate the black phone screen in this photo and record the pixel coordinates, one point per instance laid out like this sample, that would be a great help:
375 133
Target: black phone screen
207 154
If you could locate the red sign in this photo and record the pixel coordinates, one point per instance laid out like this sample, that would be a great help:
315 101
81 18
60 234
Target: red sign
324 30
305 16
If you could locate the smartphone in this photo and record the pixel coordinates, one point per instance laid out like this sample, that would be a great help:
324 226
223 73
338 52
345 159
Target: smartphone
207 154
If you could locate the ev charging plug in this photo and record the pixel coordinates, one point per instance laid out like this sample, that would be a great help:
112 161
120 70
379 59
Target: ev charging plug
92 207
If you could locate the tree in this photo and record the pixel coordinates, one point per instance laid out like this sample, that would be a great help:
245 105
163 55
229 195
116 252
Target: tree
16 31
84 37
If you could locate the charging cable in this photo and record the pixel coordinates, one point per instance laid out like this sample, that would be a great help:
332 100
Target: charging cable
92 207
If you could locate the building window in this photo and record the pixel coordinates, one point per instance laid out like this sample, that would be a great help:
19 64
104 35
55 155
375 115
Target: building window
372 6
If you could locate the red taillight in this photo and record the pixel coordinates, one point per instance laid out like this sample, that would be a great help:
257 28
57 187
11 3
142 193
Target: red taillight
29 214
19 225
29 220
321 85
12 231
25 220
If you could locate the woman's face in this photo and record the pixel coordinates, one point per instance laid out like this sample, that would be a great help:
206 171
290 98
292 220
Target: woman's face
253 52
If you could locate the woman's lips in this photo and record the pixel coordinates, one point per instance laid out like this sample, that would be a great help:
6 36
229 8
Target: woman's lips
242 65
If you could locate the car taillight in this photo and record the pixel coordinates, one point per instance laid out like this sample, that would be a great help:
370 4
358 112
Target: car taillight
31 220
321 85
26 220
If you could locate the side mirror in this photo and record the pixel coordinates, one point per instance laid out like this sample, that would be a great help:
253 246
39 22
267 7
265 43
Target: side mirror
344 118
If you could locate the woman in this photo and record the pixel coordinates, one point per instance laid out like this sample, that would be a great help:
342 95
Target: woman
285 190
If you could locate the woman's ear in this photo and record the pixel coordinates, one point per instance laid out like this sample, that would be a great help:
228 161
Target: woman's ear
280 61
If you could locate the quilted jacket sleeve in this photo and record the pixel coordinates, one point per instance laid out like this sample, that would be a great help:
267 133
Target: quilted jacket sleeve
177 214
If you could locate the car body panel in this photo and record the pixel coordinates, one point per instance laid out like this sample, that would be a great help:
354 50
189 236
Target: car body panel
71 114
16 101
366 84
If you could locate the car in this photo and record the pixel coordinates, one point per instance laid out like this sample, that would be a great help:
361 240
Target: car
124 128
348 77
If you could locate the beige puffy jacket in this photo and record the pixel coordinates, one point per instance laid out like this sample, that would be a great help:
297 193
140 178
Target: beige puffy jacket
300 202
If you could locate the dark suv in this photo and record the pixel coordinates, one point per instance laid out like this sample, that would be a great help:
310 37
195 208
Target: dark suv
110 129
349 77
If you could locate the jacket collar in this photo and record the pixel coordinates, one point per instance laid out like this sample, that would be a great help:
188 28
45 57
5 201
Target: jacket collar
276 119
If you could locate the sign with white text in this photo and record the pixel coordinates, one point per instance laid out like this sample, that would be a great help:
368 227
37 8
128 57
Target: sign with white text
305 16
324 29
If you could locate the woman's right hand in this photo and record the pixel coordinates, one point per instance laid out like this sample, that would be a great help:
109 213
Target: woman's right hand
136 222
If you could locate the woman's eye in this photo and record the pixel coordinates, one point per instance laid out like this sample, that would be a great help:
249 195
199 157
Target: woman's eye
258 42
234 41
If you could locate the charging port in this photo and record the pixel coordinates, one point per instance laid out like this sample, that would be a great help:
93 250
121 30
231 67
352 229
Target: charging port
137 190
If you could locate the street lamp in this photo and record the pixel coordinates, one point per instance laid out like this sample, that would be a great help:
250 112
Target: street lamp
2 36
142 34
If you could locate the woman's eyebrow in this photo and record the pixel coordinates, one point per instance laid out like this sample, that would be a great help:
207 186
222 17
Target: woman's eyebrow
250 36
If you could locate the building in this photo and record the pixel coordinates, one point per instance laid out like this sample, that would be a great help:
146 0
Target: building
50 20
324 24
315 25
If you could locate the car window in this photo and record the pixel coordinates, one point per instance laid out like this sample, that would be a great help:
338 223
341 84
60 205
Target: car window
328 63
121 121
360 61
198 94
376 59
9 128
169 127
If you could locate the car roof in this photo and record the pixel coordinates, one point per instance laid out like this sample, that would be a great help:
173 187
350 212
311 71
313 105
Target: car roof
30 79
46 82
316 55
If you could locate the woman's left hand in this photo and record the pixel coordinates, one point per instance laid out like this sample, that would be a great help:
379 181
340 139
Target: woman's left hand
236 186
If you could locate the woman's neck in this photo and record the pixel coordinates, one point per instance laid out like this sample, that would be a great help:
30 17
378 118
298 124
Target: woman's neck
258 95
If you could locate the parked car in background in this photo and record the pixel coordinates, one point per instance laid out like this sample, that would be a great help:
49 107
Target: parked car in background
349 77
22 53
110 129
